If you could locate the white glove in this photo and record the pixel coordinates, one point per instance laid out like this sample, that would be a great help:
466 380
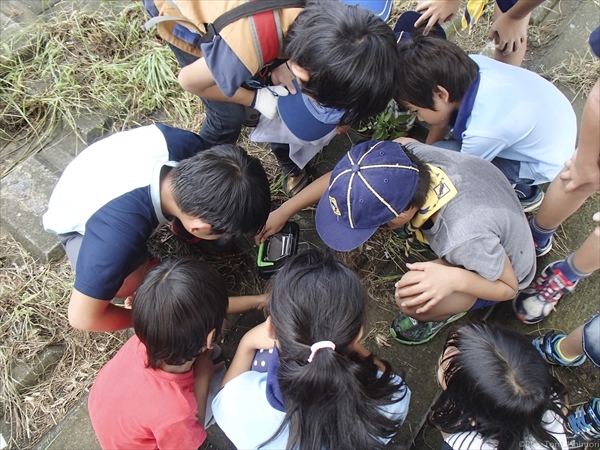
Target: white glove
265 100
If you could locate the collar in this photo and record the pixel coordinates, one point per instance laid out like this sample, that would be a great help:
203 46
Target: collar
459 123
273 392
441 191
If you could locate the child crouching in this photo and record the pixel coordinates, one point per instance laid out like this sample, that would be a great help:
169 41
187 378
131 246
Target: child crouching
155 391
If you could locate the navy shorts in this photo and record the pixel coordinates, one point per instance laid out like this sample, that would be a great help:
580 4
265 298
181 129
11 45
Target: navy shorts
481 303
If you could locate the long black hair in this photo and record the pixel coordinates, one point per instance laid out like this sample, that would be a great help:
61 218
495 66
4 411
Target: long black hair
497 385
334 401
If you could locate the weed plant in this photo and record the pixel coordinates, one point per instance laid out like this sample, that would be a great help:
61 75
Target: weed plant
80 63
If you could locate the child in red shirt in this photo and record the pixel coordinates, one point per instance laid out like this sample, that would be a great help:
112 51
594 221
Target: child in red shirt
155 391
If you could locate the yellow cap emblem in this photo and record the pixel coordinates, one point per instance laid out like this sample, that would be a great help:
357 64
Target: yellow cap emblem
334 206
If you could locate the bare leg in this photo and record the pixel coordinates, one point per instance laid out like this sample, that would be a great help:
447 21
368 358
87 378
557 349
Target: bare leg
572 346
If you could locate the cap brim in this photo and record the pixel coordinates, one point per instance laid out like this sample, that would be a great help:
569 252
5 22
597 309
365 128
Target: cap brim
299 120
381 8
336 235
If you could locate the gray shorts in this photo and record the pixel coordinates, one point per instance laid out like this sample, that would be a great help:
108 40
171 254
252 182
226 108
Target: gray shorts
71 242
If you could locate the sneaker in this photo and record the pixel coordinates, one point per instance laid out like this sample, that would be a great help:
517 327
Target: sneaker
409 331
292 184
536 302
583 424
543 250
546 345
532 202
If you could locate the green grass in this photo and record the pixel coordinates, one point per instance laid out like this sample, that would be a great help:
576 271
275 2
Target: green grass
81 63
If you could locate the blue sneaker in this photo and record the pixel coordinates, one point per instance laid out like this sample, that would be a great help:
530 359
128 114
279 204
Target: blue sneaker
583 424
409 331
536 302
533 202
547 346
541 250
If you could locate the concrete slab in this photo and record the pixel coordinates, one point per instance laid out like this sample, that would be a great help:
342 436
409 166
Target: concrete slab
74 431
24 195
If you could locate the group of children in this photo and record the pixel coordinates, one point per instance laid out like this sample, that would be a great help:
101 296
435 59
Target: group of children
302 379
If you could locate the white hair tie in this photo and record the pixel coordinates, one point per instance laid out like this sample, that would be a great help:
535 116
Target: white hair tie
318 346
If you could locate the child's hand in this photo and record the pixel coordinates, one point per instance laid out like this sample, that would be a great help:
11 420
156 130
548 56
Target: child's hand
204 369
275 222
425 285
265 100
434 11
597 219
576 174
508 34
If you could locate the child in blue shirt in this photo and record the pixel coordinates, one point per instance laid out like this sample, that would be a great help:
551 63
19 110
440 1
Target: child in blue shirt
507 115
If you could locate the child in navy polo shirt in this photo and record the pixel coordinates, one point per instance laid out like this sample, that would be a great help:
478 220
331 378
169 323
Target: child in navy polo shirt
114 195
507 115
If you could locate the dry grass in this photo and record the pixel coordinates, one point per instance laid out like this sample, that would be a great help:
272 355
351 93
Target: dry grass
34 301
82 59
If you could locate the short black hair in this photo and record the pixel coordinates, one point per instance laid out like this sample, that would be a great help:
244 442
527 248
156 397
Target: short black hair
423 184
350 54
427 62
225 187
178 303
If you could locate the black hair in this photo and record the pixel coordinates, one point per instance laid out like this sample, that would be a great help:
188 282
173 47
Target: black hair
350 54
225 187
177 305
334 401
498 385
423 184
427 62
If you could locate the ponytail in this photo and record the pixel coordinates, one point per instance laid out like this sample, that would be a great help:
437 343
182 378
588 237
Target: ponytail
335 400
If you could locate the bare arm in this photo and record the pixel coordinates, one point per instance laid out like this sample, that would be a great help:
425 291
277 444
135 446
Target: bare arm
307 197
436 134
430 282
92 314
197 79
245 303
253 340
204 371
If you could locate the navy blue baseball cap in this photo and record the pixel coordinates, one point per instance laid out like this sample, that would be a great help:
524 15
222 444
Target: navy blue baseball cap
370 186
405 27
305 118
595 41
381 8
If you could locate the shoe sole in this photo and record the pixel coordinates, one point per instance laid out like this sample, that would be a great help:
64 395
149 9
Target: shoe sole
393 332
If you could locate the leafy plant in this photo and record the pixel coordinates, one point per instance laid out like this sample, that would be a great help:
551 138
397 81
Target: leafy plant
388 125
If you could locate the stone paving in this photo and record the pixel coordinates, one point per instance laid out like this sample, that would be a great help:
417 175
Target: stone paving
25 191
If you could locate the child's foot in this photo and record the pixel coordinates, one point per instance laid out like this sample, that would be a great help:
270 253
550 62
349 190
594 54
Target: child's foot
292 184
543 249
531 202
547 345
536 302
409 331
583 424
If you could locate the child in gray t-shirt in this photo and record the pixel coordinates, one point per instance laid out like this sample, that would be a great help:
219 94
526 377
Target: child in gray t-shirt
461 205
